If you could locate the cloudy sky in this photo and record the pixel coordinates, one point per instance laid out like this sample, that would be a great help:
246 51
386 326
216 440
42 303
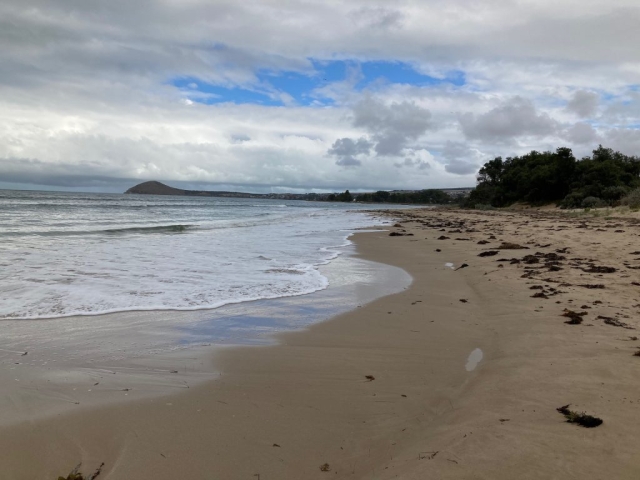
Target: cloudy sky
307 95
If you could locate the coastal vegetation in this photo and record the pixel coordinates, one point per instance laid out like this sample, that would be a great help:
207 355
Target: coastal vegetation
429 196
340 197
606 178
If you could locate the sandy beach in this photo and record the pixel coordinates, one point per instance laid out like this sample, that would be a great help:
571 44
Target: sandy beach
458 376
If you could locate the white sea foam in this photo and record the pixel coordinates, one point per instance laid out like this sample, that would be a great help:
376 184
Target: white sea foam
63 255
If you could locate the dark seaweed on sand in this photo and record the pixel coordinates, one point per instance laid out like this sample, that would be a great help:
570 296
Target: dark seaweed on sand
512 246
614 322
574 317
597 269
582 419
76 475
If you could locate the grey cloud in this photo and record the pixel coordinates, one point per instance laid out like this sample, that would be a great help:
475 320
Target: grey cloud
582 133
30 171
392 127
348 162
377 17
460 158
583 103
240 138
625 140
346 150
413 162
459 167
514 118
624 110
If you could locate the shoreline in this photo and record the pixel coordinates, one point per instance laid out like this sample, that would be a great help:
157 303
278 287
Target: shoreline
85 362
284 411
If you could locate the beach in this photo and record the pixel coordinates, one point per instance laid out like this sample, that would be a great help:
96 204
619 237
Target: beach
458 376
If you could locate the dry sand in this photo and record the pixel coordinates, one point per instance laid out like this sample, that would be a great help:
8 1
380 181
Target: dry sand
456 389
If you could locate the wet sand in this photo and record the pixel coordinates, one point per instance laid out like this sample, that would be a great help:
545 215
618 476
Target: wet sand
459 376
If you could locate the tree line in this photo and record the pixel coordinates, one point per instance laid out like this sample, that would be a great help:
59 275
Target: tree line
604 178
429 196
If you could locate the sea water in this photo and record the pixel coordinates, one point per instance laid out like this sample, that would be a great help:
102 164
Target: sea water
64 254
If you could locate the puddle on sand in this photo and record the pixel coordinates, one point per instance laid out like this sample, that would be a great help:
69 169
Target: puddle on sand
474 358
450 265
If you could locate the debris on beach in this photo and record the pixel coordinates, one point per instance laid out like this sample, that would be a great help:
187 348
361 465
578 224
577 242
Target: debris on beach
597 269
575 318
370 378
427 455
464 265
325 467
614 322
582 419
512 246
76 475
530 259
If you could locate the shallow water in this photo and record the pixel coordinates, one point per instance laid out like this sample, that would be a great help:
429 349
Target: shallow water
75 362
65 254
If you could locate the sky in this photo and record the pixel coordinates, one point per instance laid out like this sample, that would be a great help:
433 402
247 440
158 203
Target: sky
307 95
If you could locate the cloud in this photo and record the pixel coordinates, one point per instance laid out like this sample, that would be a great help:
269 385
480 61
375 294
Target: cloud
460 158
377 17
583 103
88 94
516 117
582 133
347 149
625 140
413 162
392 127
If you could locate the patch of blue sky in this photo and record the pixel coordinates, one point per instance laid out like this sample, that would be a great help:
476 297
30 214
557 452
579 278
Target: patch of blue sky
304 87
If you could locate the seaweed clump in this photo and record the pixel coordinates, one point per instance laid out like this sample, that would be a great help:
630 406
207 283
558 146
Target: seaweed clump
574 317
512 246
76 475
582 419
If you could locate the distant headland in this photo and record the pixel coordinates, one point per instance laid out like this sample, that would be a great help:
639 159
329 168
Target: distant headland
157 188
441 196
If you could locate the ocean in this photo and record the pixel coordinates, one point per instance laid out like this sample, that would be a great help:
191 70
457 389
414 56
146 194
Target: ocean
67 254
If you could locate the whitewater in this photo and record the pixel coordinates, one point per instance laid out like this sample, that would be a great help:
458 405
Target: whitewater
64 254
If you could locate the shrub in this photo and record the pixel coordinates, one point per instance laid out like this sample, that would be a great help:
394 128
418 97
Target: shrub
573 200
592 202
484 206
613 194
632 199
